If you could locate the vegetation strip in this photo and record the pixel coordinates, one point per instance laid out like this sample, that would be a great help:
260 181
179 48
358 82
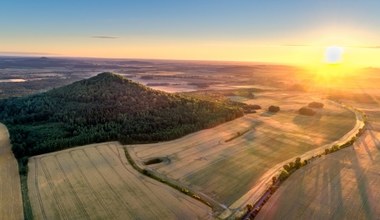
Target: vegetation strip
238 134
27 207
291 167
171 183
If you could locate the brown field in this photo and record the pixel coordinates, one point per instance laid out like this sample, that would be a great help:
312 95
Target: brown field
97 182
342 185
10 189
225 171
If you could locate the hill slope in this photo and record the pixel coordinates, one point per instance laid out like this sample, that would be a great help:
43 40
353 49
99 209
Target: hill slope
104 108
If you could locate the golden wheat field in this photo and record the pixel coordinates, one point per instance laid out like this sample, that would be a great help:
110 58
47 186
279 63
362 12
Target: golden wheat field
342 185
10 189
97 182
225 162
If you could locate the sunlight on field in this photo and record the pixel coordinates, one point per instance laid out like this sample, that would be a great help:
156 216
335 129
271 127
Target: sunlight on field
96 182
343 185
10 190
226 170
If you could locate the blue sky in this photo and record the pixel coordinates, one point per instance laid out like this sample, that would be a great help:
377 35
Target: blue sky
286 22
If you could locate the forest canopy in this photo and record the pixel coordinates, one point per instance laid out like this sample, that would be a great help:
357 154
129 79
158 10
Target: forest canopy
106 107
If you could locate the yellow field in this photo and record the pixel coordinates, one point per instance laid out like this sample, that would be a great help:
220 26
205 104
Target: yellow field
10 189
225 171
342 185
96 182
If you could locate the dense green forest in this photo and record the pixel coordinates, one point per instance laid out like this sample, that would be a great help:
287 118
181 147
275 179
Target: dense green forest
104 108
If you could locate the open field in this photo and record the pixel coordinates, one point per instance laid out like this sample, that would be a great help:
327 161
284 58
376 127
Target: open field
225 171
10 189
96 182
342 185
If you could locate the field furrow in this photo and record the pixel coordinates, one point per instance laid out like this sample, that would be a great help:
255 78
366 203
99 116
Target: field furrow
226 171
342 185
96 182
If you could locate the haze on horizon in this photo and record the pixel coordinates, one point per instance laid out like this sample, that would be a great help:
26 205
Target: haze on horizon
289 32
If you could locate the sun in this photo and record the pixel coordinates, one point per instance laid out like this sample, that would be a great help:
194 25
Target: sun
334 54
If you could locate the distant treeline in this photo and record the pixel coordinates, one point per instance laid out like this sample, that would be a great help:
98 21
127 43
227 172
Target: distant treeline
106 107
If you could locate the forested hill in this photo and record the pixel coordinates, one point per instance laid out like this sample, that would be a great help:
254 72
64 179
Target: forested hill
104 108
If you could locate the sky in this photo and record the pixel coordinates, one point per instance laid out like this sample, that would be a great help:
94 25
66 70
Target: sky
277 31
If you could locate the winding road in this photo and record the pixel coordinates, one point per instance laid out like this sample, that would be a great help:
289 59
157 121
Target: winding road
260 189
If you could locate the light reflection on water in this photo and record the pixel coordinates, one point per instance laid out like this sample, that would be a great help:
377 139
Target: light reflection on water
12 80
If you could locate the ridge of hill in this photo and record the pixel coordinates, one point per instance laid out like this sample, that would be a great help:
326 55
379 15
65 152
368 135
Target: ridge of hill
106 107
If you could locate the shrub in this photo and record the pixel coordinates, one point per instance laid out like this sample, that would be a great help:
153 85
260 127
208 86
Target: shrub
274 180
274 109
256 107
316 105
297 164
283 175
287 167
23 166
306 111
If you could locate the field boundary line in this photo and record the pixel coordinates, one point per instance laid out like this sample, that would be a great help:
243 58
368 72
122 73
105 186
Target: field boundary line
216 206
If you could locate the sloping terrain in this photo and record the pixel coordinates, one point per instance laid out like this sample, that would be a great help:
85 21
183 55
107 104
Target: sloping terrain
10 190
106 107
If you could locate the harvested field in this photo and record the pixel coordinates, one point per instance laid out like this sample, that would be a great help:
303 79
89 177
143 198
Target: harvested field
10 189
96 182
225 171
342 185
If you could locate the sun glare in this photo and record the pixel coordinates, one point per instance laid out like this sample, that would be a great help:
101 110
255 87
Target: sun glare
333 71
334 54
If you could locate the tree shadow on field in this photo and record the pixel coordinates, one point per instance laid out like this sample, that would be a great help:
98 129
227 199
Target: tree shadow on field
306 121
373 136
363 186
361 142
332 185
267 114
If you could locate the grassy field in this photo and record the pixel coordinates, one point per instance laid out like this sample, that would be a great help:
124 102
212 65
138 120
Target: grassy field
226 171
342 185
96 182
10 190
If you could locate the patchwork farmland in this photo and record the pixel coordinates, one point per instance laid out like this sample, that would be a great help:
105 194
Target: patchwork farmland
225 162
96 182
